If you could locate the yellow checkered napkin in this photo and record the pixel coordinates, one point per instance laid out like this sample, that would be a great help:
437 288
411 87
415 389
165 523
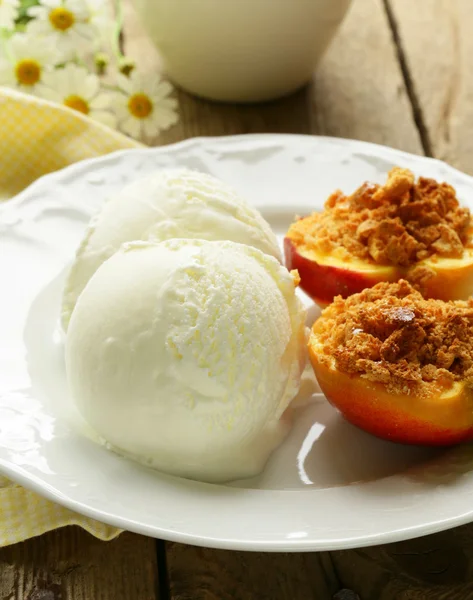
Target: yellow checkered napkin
37 137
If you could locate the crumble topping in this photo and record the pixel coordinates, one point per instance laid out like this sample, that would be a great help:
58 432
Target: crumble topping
390 334
400 223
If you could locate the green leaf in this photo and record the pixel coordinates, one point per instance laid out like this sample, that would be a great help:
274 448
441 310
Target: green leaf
23 18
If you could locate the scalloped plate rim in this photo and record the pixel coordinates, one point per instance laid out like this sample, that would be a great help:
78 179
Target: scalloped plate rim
35 483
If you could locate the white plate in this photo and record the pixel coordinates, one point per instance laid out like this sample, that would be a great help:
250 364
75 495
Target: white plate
329 486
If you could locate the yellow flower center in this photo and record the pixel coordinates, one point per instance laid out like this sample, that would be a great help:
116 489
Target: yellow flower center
140 106
61 18
77 103
28 71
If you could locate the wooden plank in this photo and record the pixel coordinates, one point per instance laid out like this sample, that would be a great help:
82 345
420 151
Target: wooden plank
435 567
205 574
435 38
355 93
70 564
359 89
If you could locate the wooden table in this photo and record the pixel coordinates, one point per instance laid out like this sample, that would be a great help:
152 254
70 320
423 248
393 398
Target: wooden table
400 72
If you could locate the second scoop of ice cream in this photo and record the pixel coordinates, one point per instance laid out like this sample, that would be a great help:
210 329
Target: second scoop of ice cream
185 354
171 203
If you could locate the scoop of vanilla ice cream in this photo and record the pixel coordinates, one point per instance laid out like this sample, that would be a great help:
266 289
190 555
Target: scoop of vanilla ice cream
185 354
175 203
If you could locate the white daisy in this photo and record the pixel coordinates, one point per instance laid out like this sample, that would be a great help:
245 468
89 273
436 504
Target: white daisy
8 13
142 105
76 88
66 22
26 63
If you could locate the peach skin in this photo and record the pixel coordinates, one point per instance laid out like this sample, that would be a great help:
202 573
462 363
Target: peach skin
444 419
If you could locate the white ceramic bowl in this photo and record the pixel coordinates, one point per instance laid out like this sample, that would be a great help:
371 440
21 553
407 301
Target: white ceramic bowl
241 50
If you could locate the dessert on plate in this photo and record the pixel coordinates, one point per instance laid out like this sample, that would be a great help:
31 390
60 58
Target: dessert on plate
398 365
184 355
170 203
408 229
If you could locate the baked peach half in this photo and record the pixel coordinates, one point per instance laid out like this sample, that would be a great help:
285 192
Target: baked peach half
397 365
403 230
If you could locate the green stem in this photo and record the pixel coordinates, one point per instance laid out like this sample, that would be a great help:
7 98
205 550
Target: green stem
116 46
5 34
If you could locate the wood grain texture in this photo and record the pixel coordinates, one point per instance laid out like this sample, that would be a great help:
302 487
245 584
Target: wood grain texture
434 567
205 574
435 37
359 89
70 564
355 92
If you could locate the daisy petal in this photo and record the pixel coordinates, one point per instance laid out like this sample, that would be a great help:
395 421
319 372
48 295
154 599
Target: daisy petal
165 118
51 3
7 75
8 14
132 127
169 103
49 94
36 11
161 90
101 101
125 83
38 27
84 30
91 86
104 117
150 127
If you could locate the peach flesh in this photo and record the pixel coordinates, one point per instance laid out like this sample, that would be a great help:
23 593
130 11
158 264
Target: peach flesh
324 277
